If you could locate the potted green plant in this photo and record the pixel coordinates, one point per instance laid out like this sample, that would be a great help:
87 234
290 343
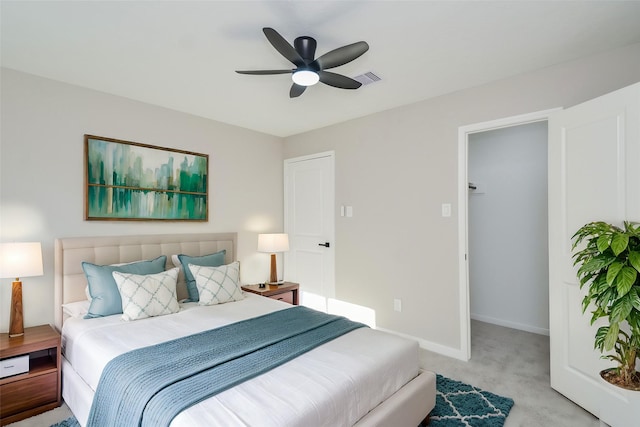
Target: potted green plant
609 266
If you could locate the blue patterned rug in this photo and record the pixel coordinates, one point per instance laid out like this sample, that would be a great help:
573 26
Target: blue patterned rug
69 422
463 405
457 405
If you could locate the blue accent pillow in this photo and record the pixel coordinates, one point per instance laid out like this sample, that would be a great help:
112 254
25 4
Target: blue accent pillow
105 297
211 260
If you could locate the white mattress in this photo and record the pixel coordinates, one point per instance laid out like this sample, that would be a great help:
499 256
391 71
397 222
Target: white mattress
333 385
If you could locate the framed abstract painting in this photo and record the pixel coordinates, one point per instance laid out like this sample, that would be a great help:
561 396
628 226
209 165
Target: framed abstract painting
132 181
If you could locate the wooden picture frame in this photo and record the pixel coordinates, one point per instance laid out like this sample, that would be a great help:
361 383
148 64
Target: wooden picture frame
131 181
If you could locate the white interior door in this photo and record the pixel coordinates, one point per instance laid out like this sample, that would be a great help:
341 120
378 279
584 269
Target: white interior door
309 221
594 153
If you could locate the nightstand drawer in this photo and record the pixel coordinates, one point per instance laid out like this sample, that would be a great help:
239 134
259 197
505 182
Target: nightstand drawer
35 391
14 366
285 297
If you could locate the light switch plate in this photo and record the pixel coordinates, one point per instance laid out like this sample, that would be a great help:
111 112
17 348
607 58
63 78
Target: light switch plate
349 211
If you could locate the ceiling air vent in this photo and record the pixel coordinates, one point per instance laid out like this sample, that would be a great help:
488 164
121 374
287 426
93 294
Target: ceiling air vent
367 78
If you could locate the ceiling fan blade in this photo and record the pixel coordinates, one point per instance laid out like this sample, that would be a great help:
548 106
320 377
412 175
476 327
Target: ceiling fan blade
283 46
340 56
296 90
338 80
264 72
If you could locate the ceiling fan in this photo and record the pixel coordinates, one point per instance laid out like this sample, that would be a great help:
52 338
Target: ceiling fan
310 71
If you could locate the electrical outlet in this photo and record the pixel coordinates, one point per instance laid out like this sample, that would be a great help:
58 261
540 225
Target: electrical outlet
397 305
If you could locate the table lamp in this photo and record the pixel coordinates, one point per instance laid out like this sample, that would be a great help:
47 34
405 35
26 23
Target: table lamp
272 243
19 260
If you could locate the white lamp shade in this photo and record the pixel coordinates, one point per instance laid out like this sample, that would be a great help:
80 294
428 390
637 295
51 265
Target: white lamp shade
22 259
272 243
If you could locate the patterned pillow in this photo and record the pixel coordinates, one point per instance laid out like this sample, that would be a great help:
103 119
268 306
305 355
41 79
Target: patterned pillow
147 295
211 260
217 285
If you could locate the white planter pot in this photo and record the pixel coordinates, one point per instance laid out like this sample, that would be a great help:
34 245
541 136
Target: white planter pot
619 407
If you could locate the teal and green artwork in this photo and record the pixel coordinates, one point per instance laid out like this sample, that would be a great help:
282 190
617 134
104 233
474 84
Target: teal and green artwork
132 181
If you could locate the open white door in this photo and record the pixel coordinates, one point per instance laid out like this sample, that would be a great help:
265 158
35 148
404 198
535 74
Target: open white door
594 175
309 221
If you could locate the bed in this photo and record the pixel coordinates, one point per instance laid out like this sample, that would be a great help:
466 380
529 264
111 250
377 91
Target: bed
362 378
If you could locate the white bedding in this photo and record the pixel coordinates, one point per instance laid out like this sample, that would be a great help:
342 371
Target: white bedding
333 385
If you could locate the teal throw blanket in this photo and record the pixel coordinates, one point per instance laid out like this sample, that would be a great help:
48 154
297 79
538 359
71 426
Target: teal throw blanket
151 385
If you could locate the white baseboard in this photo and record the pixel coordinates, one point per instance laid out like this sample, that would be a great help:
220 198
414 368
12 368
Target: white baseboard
456 353
512 325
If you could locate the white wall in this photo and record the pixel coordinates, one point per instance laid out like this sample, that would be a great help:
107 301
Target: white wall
42 186
397 167
508 245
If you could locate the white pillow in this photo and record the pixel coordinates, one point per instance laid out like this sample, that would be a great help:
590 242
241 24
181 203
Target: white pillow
217 285
176 261
147 295
76 309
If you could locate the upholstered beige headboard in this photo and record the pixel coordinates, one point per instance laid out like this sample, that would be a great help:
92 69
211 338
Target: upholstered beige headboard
70 281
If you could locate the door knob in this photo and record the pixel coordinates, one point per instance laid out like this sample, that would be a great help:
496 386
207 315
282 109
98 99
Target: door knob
325 244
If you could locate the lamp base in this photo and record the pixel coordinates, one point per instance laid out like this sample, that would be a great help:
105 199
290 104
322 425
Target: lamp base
274 270
16 328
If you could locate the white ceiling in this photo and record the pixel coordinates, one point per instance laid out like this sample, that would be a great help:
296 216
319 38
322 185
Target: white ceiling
182 54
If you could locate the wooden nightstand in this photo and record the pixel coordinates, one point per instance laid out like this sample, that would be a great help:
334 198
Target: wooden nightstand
38 390
287 291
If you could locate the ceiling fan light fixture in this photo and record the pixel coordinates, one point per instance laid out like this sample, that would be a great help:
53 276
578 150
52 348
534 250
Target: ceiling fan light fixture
305 77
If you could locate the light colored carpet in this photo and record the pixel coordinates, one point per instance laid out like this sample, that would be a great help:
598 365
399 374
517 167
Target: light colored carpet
515 364
504 361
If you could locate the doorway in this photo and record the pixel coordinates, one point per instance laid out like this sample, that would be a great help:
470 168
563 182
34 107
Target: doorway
466 133
508 229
